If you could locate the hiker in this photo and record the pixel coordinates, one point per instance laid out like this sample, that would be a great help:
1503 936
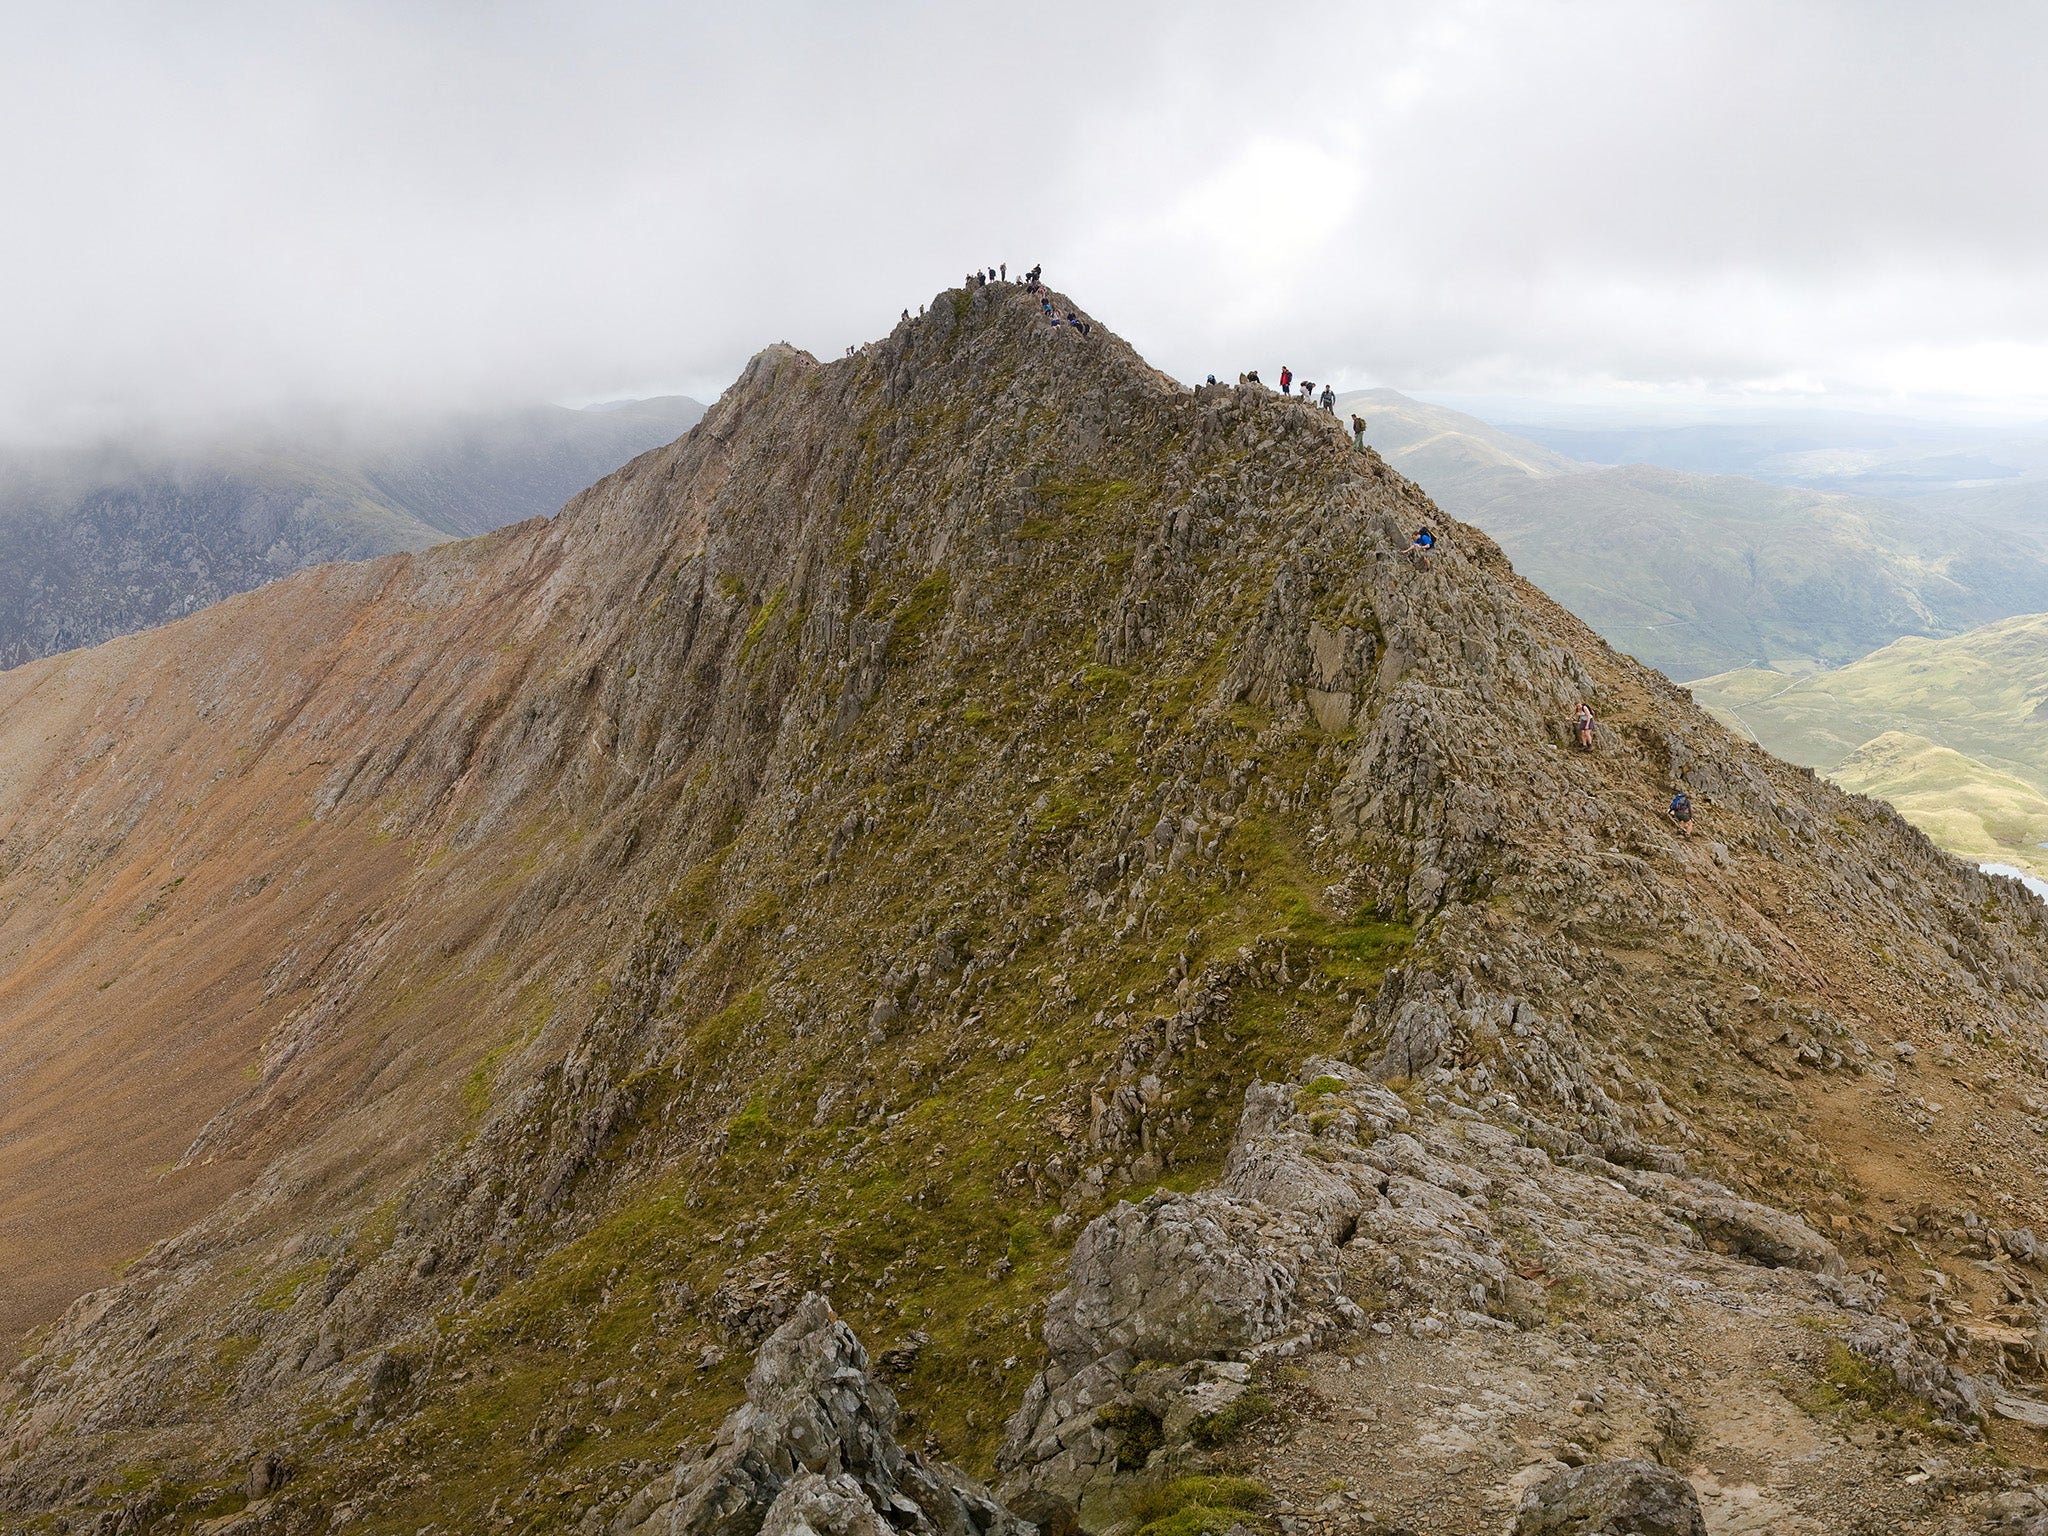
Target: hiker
1582 724
1425 541
1681 812
906 311
1329 400
1358 429
1003 270
1253 376
1286 373
1212 378
1308 387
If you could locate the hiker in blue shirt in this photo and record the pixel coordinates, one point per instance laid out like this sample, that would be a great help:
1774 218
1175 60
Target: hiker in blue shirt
1425 541
1681 812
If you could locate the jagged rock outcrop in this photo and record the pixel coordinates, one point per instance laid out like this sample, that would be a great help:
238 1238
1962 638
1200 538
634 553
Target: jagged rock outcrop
813 1450
1454 1239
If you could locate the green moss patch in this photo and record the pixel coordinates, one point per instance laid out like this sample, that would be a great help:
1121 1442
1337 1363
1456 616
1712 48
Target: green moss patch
1200 1506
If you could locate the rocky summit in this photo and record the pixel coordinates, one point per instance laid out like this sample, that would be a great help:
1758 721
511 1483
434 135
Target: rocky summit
979 854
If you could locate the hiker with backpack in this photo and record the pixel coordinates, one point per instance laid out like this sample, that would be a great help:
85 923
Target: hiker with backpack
1286 373
1358 429
1329 400
1681 812
1425 541
1582 723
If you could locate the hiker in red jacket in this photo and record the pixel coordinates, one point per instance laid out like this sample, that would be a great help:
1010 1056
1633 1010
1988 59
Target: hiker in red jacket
1286 373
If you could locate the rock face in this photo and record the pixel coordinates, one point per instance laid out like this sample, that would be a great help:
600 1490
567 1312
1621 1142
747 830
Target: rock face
1612 1498
814 1450
1336 1189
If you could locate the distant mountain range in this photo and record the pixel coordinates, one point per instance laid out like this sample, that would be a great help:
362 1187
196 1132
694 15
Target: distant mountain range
1953 732
1867 454
1703 573
99 542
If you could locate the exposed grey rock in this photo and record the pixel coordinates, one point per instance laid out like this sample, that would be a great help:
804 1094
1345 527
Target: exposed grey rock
1183 1277
1612 1498
2023 1513
813 1449
1760 1233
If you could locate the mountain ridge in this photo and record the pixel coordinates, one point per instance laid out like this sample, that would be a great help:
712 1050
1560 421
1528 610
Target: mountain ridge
939 806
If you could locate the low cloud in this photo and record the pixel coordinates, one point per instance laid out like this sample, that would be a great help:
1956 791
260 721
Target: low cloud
218 212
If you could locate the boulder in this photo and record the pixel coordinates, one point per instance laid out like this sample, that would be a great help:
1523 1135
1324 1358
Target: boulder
1612 1498
1186 1277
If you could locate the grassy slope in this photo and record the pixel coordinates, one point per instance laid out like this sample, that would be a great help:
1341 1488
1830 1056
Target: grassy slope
1978 778
1968 808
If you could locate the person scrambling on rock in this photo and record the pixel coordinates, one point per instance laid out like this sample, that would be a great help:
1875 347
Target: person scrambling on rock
1681 812
1308 387
1252 377
1357 429
1425 541
1582 725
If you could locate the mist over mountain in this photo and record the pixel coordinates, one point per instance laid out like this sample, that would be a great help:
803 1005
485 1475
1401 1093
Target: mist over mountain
1700 573
98 542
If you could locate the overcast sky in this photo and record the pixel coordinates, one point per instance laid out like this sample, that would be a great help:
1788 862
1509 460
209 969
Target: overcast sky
215 210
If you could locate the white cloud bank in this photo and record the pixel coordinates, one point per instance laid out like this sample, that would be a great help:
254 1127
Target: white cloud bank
222 210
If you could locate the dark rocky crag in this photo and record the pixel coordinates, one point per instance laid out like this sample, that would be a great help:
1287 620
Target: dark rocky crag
854 848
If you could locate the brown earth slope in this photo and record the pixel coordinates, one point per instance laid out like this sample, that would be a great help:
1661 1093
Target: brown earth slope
454 1005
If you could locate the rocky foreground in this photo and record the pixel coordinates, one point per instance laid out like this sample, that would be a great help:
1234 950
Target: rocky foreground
978 848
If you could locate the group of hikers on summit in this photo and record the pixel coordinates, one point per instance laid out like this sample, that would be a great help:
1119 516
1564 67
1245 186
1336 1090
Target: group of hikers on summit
1000 273
1327 400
